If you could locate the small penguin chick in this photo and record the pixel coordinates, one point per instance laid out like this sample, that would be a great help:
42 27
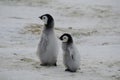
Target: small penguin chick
71 56
47 48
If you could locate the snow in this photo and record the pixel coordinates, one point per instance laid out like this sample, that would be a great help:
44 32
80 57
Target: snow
94 24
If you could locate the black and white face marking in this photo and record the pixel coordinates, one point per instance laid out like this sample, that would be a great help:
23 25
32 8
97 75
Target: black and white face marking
66 38
48 20
44 19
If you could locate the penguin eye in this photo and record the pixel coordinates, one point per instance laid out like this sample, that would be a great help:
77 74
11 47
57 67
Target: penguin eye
45 19
64 37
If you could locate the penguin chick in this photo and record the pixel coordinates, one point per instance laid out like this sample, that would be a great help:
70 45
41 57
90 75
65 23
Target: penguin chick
71 57
48 48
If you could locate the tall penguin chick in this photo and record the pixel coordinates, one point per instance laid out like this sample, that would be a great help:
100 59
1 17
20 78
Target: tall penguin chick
71 57
48 49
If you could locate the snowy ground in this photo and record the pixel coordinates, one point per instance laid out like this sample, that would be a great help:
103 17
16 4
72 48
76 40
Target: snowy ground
94 24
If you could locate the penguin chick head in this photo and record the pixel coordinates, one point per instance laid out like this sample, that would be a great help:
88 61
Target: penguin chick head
66 38
47 19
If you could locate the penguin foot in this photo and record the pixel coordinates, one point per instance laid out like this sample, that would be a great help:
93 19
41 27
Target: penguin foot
43 64
52 64
55 64
70 70
67 69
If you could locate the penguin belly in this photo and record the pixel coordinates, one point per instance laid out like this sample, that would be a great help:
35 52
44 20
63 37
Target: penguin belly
47 49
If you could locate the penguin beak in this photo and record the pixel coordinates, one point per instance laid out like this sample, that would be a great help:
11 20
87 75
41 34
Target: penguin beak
40 17
60 38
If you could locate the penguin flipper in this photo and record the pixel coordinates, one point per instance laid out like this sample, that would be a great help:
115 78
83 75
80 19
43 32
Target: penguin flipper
71 51
72 57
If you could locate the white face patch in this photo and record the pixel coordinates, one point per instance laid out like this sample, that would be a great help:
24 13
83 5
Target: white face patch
65 39
45 19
